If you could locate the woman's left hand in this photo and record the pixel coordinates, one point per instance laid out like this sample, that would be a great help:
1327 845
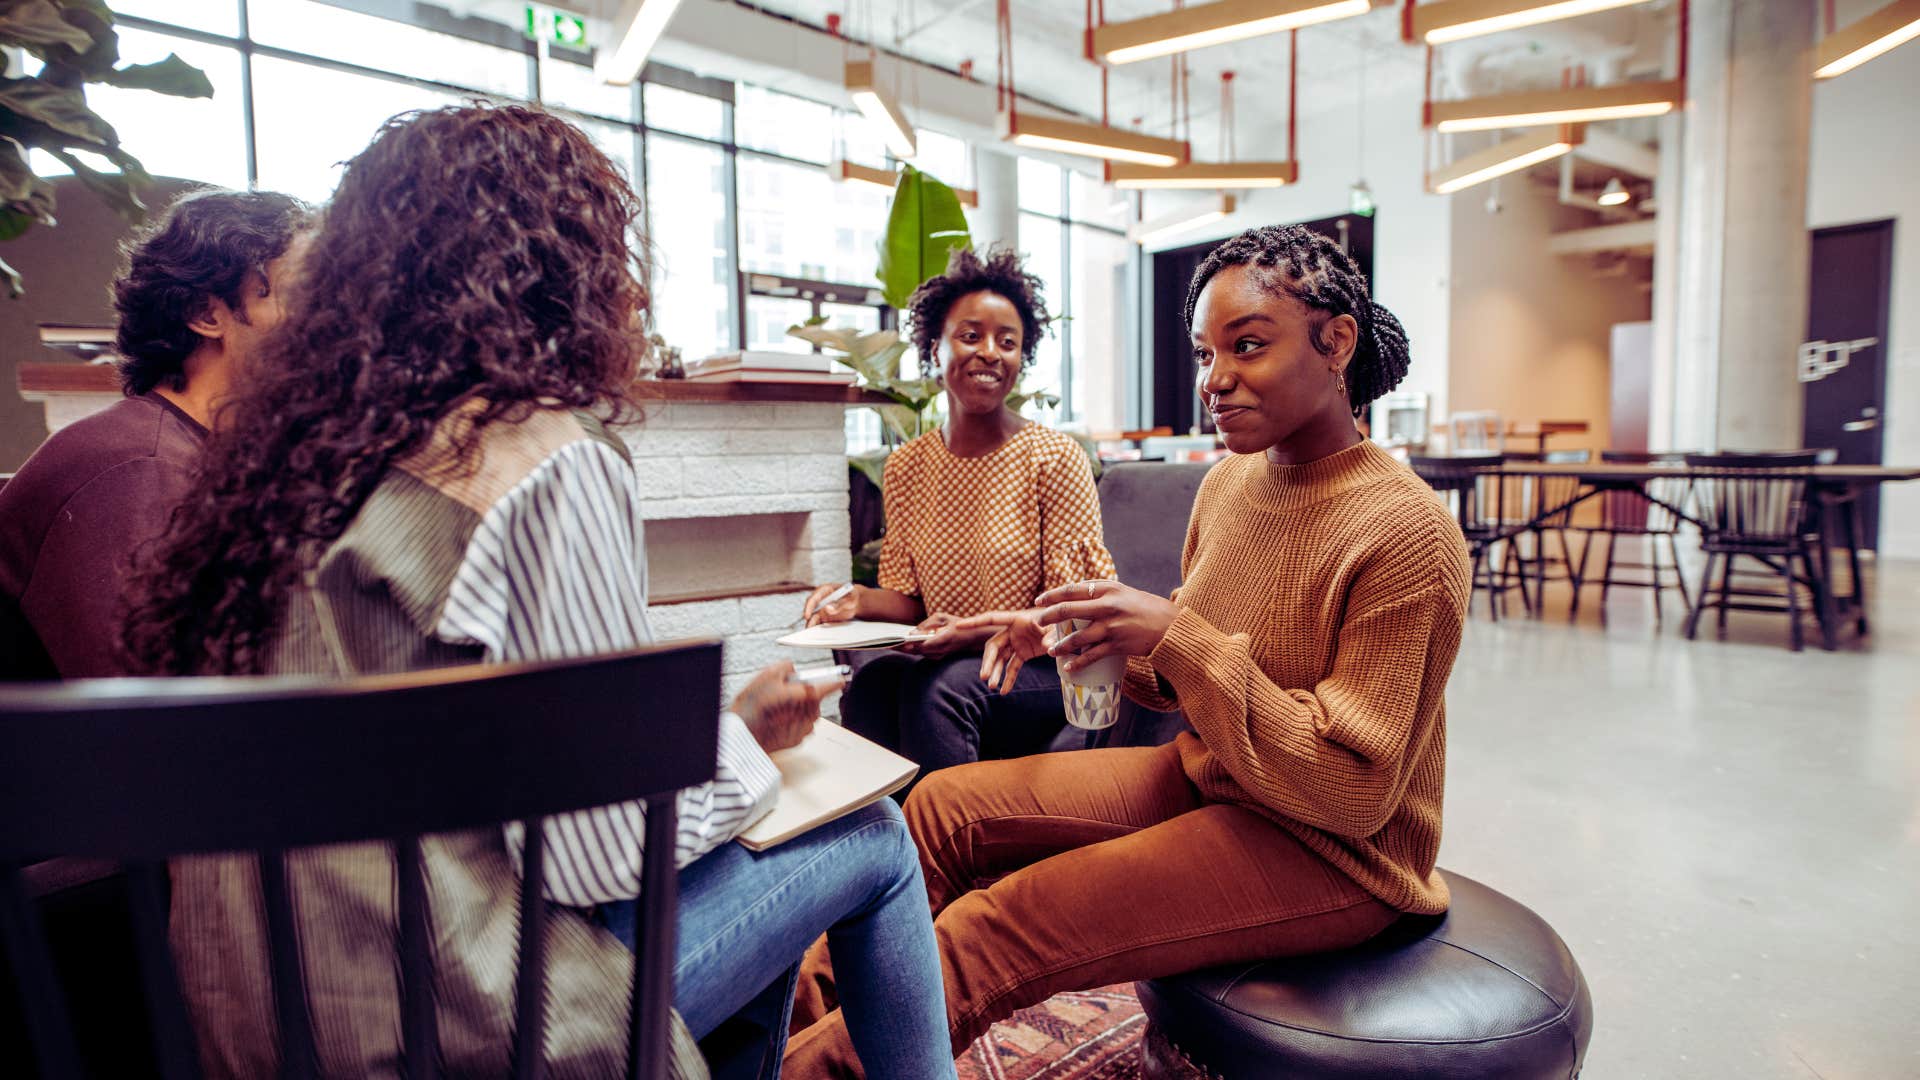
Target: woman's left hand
1122 621
948 637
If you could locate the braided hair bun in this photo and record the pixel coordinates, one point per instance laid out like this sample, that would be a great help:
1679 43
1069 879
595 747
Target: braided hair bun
1295 261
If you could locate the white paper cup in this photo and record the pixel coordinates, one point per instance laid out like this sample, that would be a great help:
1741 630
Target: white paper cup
1092 694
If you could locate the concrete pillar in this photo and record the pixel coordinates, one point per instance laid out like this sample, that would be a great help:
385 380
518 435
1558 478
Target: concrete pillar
1742 292
997 221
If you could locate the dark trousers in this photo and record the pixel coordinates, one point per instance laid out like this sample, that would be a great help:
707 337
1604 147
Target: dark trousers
937 712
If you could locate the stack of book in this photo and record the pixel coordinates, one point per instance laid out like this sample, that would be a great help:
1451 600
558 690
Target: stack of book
777 367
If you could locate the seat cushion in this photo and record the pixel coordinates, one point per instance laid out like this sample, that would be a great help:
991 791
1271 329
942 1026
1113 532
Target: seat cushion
1487 990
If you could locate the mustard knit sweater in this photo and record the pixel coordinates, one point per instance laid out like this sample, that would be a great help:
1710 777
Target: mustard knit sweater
1320 612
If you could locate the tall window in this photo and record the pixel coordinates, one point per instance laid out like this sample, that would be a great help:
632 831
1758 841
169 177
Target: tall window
1073 236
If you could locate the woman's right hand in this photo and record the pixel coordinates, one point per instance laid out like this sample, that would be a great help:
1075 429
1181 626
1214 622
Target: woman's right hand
778 709
845 609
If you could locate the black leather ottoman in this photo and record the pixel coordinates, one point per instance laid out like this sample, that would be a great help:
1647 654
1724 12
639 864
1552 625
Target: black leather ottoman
1486 991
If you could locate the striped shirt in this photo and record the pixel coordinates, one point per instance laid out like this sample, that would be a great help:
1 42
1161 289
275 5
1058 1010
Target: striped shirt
526 547
557 568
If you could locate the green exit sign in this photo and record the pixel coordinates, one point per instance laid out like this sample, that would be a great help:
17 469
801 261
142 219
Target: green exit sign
558 27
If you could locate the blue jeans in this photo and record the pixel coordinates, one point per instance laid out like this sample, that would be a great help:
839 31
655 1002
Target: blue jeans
936 710
745 918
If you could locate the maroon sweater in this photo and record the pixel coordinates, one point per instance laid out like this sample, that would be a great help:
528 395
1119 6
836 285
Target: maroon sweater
70 522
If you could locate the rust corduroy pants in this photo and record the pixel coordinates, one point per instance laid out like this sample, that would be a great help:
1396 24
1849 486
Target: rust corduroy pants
1077 870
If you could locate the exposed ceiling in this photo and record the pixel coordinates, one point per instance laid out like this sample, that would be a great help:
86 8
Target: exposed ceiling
1338 61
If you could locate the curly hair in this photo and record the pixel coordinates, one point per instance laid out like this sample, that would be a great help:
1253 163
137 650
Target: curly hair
968 273
207 246
471 252
1297 262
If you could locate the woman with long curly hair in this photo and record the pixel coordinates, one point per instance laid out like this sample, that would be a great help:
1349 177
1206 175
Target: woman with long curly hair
418 473
983 514
1323 595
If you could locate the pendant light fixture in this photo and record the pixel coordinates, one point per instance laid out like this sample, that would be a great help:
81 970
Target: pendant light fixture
1456 20
1225 175
880 108
637 27
850 172
1182 221
1197 27
1071 136
1580 105
1881 32
1510 156
1614 194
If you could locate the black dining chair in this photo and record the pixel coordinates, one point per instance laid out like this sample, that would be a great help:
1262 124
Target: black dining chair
1476 491
140 770
1542 507
1638 509
1754 505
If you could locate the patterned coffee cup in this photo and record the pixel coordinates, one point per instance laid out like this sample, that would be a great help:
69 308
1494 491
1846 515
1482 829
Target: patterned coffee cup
1092 694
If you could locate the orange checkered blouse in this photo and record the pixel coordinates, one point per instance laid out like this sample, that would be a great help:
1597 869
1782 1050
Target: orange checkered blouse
990 533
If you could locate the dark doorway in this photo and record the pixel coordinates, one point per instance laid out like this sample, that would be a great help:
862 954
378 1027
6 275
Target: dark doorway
1175 404
1843 363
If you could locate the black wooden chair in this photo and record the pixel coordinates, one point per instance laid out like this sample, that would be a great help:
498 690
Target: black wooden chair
1542 506
1476 492
1755 506
1636 509
138 770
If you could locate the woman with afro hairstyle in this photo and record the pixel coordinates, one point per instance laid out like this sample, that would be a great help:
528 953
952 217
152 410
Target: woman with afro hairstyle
1324 592
983 514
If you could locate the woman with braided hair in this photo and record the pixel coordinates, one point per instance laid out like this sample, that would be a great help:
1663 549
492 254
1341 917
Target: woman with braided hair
1324 592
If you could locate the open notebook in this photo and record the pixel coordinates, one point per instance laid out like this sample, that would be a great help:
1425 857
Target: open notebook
832 772
855 635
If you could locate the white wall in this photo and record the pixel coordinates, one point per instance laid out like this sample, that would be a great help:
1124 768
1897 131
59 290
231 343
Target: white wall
1412 228
1866 155
1531 330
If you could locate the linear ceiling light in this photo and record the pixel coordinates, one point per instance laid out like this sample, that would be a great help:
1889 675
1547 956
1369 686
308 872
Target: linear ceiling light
1192 28
1538 109
638 27
1883 31
1454 20
1152 232
1507 157
1090 140
1208 175
854 173
879 108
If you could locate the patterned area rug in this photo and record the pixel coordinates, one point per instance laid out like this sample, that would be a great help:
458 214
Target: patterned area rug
1088 1035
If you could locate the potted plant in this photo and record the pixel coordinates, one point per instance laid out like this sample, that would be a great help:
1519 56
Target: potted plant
76 44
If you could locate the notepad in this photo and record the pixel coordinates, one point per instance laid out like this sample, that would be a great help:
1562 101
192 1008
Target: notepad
855 635
833 772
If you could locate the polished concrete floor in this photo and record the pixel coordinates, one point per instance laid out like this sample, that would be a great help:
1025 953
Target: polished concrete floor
1727 834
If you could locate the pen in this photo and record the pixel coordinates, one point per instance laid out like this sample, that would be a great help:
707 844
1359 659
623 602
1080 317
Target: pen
831 597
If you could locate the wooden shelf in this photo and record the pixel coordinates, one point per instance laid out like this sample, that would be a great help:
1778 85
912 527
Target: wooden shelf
37 380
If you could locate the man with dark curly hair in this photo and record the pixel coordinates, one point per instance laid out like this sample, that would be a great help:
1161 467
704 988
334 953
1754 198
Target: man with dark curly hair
202 288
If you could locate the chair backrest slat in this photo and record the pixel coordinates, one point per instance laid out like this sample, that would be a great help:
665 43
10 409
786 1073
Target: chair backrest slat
42 1000
530 991
1753 497
654 946
160 982
299 1060
419 1035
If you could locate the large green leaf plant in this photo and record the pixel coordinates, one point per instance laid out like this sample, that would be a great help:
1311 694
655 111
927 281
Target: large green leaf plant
925 226
76 44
